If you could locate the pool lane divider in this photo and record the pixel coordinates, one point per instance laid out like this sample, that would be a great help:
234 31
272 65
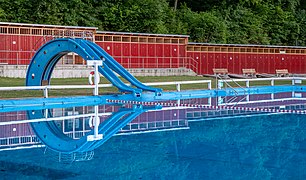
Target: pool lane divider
252 109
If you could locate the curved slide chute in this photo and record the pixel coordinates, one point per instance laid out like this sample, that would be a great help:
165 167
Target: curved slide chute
44 61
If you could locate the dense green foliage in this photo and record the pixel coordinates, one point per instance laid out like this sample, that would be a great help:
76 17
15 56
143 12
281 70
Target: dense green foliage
277 22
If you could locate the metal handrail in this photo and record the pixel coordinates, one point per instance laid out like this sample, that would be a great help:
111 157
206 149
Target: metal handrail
247 81
42 40
245 92
194 66
187 64
236 93
100 85
178 82
267 79
46 88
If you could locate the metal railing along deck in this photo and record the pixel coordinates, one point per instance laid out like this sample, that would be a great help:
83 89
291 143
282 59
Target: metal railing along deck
48 87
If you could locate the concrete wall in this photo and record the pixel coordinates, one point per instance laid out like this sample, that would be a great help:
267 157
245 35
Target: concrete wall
75 71
13 71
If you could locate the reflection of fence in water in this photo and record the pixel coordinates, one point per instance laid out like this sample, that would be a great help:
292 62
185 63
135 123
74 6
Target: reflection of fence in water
7 143
146 122
287 105
172 119
13 136
20 134
69 157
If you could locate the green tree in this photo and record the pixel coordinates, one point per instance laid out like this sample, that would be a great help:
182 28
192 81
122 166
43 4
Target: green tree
79 13
281 26
45 12
14 11
300 39
2 15
134 16
204 26
244 26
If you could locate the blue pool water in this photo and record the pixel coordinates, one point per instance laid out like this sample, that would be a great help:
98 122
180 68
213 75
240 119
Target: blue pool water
261 147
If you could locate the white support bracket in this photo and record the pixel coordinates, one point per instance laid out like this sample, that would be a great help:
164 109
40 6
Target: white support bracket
96 64
95 122
94 138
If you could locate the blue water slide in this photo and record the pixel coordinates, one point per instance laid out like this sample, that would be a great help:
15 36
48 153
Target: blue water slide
45 59
107 72
111 76
47 56
114 65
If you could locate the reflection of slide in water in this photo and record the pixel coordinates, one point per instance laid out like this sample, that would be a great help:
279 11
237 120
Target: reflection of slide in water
54 138
76 122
